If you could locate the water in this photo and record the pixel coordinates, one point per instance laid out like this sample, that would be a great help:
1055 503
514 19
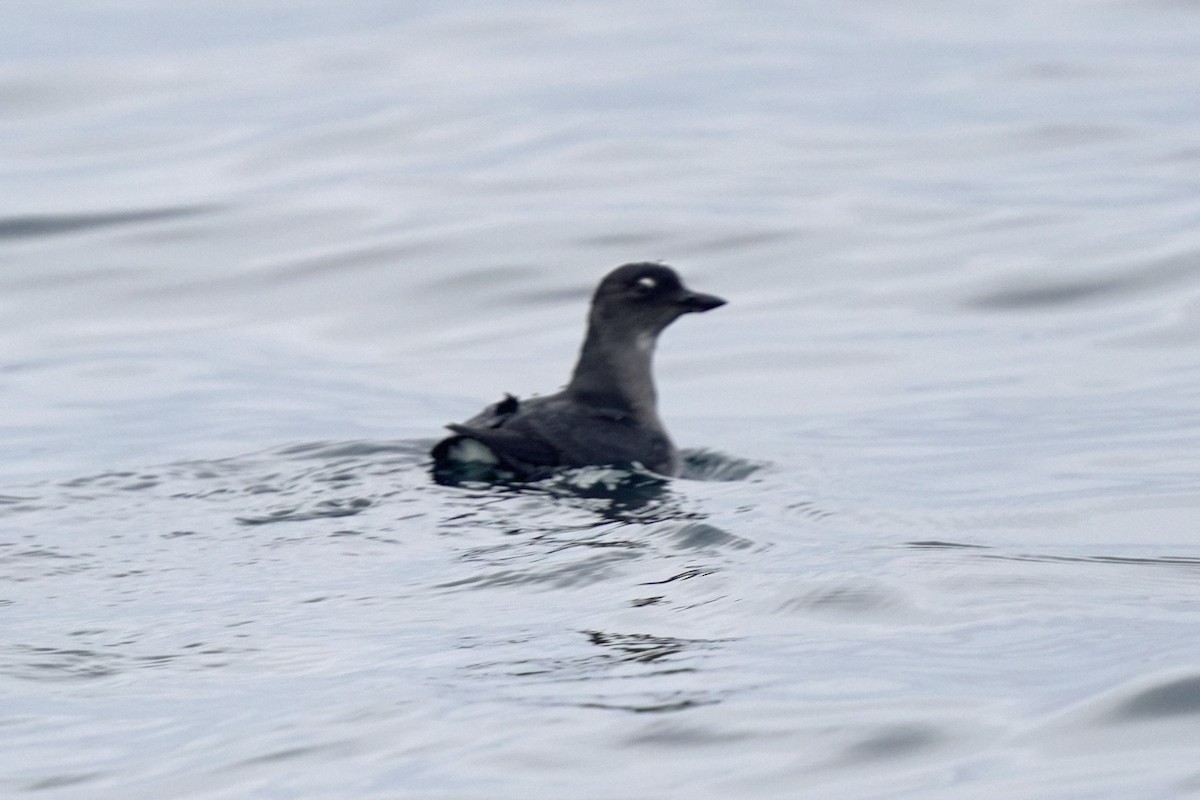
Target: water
938 536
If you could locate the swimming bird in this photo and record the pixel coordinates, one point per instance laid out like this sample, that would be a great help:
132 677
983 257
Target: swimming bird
608 412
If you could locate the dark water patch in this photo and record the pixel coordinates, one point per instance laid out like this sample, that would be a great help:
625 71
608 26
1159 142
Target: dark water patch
40 552
43 225
341 477
934 544
632 672
413 451
94 654
685 575
677 735
701 464
1147 561
1046 294
1174 697
808 510
898 742
1189 562
637 672
646 648
665 705
854 598
1038 292
285 754
63 781
1165 699
59 664
621 239
700 536
139 485
44 561
585 571
743 241
608 541
101 479
323 509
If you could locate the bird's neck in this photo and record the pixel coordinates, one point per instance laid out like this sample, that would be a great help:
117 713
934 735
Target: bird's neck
614 372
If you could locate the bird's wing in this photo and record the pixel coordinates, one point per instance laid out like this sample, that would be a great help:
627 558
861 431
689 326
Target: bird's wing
517 448
544 432
581 435
495 415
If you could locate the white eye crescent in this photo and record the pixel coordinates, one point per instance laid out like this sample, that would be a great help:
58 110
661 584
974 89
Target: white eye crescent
647 284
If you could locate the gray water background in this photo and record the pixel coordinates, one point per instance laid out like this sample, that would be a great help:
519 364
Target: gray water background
254 255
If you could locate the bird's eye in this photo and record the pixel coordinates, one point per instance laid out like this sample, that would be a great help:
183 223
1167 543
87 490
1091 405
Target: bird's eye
645 285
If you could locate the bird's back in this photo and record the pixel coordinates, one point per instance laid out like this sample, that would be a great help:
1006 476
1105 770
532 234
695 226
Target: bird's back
557 431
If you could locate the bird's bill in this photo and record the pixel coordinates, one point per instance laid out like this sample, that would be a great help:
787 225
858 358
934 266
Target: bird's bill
697 301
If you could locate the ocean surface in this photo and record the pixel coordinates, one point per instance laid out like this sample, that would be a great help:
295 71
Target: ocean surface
939 534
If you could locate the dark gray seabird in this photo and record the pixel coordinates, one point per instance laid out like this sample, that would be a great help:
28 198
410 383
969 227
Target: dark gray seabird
608 413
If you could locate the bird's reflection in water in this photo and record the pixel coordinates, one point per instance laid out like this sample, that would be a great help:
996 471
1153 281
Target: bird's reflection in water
618 493
615 493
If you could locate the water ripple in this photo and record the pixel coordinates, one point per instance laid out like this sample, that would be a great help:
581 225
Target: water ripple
43 225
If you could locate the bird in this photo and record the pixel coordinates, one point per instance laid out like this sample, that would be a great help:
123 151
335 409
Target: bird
608 412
